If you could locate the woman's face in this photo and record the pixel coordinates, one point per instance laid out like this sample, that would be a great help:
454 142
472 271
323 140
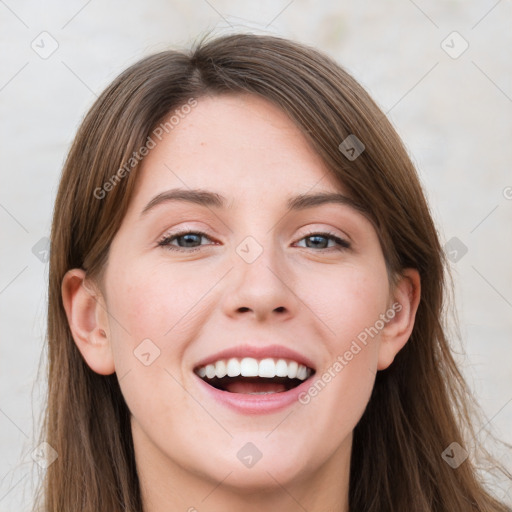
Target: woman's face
263 283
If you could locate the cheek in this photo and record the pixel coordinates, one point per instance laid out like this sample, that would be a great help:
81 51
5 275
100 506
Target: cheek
347 301
151 319
154 302
153 314
350 311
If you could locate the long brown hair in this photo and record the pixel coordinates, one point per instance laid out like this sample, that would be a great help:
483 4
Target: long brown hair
420 404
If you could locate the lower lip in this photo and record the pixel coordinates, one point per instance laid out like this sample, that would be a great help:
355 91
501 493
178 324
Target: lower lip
255 404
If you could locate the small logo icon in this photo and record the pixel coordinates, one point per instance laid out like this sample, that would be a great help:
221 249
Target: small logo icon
454 45
41 250
146 352
249 249
455 249
44 455
351 147
507 192
454 455
249 455
44 45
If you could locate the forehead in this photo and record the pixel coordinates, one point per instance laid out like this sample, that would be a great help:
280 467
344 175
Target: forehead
241 146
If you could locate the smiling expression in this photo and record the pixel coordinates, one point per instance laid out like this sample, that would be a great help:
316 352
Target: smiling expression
239 244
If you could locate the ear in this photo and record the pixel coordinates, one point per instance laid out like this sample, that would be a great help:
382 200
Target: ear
397 331
88 321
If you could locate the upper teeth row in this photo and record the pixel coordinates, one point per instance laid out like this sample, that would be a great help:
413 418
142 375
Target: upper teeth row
250 367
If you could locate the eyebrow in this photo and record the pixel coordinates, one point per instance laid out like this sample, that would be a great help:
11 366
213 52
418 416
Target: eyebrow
214 200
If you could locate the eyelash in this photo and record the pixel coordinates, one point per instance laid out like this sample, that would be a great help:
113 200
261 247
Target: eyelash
167 239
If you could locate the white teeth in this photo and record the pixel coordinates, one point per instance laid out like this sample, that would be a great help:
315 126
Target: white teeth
220 369
292 369
233 367
250 367
267 368
302 372
210 371
281 368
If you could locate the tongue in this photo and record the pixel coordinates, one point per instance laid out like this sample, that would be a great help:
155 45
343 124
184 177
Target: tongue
241 386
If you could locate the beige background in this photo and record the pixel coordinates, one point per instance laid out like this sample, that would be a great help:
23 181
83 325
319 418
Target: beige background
454 115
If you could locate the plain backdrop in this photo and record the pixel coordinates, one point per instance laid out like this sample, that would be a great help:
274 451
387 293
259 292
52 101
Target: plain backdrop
441 70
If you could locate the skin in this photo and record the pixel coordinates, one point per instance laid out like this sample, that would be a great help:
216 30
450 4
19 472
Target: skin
193 304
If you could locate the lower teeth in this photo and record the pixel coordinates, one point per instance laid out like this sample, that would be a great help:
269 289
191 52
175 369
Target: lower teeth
262 393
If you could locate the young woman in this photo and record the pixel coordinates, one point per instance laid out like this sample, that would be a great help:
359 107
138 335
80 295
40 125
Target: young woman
245 300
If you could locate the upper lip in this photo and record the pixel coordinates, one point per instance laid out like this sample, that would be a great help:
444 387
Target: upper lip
257 352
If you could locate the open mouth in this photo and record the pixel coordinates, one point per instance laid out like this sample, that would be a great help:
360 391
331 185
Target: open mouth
254 377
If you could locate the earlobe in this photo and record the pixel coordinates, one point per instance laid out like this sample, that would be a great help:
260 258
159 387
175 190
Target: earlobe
88 321
397 331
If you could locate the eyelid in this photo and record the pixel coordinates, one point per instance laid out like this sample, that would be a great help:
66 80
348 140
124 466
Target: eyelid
185 228
326 228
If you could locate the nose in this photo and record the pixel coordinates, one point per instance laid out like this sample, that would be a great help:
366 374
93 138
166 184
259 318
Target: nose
263 289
